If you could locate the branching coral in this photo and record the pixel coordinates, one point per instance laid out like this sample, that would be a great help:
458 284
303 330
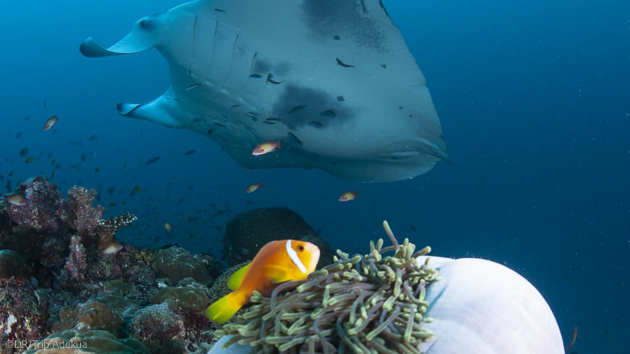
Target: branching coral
76 264
107 228
361 304
86 217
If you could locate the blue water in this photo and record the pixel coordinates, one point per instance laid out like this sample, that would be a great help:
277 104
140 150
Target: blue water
534 100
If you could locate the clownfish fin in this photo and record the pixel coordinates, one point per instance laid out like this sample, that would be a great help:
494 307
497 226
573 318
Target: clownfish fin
236 279
223 309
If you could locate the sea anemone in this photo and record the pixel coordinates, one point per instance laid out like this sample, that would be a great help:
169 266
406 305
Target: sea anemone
363 304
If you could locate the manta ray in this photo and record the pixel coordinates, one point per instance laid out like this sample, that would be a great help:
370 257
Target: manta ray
332 81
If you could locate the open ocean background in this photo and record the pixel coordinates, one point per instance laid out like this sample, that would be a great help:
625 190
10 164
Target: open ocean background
534 99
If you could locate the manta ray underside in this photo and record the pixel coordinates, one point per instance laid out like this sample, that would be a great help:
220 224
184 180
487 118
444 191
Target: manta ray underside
332 80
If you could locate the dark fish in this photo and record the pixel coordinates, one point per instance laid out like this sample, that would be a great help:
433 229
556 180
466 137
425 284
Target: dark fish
329 113
111 190
340 98
384 66
151 160
181 200
83 158
26 118
271 120
210 131
112 204
219 10
97 169
18 135
255 76
189 152
23 152
44 104
52 175
296 109
412 228
9 189
30 159
93 138
271 80
344 64
315 123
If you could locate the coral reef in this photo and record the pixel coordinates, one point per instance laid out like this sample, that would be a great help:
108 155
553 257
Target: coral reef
83 342
175 264
247 232
85 216
107 228
165 330
65 277
102 314
12 265
362 304
76 263
23 314
43 211
189 297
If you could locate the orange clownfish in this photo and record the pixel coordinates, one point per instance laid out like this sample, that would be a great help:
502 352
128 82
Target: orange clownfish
252 188
276 262
266 148
348 196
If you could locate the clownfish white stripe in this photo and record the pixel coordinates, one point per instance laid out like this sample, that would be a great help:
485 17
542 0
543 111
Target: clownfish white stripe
294 257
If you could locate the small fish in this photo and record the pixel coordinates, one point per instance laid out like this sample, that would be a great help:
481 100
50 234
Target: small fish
168 226
23 152
271 80
151 160
412 228
31 159
348 196
52 175
296 109
266 148
137 189
16 199
573 339
50 123
111 249
52 162
344 64
97 169
112 204
276 262
253 187
189 152
193 86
